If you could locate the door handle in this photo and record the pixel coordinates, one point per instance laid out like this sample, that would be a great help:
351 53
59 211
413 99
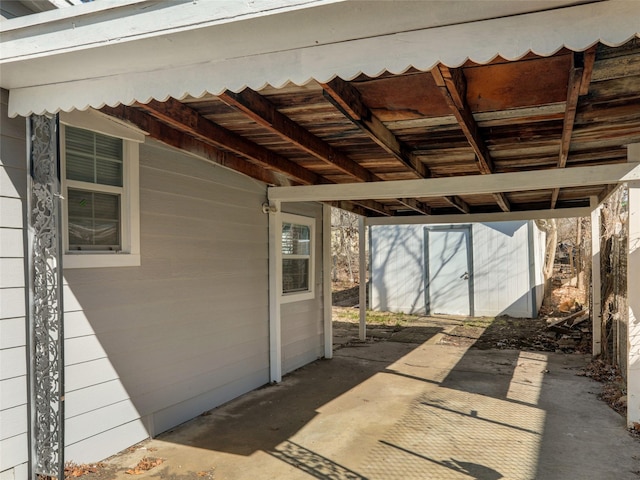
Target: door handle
465 276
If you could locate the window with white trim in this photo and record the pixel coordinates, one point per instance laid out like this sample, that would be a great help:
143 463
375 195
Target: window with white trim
297 257
100 187
94 181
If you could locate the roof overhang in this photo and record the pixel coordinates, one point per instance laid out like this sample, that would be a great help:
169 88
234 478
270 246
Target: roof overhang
109 53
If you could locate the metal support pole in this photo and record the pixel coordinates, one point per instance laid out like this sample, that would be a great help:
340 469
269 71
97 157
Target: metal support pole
362 232
46 394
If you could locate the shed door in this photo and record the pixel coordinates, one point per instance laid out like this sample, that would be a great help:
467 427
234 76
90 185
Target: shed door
449 271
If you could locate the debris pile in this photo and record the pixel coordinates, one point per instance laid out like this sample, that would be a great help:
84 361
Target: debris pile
571 333
613 388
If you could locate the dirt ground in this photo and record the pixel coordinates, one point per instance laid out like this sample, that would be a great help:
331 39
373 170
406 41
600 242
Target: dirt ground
480 333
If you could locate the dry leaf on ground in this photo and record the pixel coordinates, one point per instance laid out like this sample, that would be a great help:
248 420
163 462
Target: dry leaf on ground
73 470
146 464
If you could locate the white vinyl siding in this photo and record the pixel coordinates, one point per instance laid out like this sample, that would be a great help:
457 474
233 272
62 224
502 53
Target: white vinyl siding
150 347
13 359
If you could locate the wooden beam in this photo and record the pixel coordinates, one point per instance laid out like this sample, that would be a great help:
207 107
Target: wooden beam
198 145
170 136
263 112
458 203
464 185
349 207
502 201
579 80
453 85
187 120
573 92
348 100
415 205
374 207
587 71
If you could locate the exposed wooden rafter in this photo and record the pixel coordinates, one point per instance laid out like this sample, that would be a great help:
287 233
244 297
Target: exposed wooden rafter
458 203
415 205
187 120
453 85
579 80
192 132
348 100
263 112
175 138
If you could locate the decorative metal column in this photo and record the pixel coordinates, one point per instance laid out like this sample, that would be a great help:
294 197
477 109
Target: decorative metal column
45 305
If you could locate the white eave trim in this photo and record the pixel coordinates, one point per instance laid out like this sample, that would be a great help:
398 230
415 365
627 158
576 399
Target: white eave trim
274 50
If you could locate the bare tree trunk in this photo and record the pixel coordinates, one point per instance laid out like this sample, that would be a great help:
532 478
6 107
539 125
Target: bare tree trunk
550 228
579 251
347 251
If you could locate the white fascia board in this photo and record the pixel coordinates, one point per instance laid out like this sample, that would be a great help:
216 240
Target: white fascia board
467 185
287 44
481 217
113 21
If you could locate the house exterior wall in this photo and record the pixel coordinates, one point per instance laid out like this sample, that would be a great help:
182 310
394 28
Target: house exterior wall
149 347
302 322
13 336
501 269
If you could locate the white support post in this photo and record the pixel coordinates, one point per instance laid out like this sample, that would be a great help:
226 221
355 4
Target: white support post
633 287
275 290
362 232
596 306
326 281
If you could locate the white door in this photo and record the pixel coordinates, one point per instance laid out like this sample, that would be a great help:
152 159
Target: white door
448 271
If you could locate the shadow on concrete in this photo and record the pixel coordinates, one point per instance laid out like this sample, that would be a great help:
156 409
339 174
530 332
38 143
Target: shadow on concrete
473 470
460 413
313 463
279 411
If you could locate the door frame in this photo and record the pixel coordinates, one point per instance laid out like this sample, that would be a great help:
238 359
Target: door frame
427 290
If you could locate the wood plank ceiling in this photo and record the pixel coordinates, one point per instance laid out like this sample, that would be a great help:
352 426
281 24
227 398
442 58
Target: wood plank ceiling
567 110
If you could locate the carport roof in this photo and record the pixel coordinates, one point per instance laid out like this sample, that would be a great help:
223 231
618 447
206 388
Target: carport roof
297 92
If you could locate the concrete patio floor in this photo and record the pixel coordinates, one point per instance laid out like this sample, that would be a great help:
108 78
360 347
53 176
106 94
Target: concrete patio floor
407 409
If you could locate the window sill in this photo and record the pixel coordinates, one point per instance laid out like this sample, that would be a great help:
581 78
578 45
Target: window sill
100 260
297 297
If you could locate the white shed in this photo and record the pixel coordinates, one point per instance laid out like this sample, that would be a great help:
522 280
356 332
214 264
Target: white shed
478 269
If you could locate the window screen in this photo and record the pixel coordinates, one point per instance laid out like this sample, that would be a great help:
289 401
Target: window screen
296 257
93 220
94 179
